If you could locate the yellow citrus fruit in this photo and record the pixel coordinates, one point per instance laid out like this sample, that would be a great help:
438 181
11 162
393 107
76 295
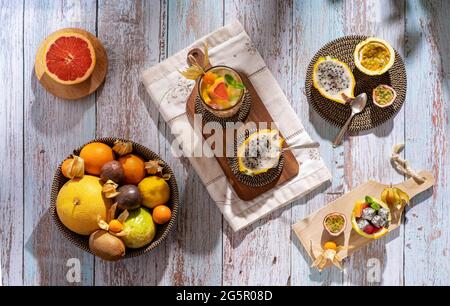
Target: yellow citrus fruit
80 204
154 190
161 214
133 167
95 155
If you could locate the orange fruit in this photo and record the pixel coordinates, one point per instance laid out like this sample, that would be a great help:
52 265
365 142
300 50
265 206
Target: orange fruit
133 167
69 58
209 78
95 155
161 214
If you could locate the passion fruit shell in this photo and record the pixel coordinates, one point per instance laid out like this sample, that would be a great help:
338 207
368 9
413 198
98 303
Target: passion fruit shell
375 97
357 56
339 215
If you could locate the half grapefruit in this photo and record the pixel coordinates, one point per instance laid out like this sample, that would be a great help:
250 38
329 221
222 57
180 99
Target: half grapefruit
69 58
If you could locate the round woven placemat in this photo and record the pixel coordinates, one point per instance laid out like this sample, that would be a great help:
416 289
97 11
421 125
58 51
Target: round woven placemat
258 180
372 116
162 230
240 116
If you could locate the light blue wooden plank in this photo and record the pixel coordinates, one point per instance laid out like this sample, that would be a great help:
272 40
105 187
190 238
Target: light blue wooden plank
11 143
315 23
260 253
194 250
124 109
367 154
427 237
52 129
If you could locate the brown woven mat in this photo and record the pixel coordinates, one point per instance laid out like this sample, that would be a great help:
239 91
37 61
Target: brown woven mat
257 180
162 230
336 113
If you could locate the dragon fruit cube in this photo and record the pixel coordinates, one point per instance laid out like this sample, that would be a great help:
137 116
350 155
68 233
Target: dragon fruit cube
368 213
383 213
378 221
362 223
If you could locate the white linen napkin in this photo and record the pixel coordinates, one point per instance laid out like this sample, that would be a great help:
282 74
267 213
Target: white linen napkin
231 46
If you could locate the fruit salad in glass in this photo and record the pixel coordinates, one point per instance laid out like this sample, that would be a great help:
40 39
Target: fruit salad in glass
221 91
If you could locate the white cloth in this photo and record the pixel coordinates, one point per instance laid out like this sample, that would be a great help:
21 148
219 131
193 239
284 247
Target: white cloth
231 46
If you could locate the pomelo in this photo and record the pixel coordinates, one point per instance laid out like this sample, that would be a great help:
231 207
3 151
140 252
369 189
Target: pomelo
69 58
80 204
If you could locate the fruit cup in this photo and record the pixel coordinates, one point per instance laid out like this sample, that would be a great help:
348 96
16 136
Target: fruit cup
221 91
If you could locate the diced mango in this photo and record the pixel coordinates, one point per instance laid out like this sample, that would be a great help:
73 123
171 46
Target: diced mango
360 205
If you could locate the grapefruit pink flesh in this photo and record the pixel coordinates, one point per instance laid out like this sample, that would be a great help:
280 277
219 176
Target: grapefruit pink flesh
70 59
220 91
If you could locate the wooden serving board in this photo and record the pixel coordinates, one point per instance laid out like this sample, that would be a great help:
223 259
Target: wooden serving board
76 91
310 230
258 114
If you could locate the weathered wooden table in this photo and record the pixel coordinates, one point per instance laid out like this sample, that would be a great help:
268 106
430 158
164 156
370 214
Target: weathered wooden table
38 130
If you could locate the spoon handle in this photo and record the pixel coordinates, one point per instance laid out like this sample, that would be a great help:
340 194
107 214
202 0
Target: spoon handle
303 146
341 133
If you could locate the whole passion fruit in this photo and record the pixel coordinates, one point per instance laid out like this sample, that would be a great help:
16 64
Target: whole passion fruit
113 171
129 197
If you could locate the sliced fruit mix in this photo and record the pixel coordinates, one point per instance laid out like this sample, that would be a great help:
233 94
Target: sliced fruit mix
118 202
221 88
371 218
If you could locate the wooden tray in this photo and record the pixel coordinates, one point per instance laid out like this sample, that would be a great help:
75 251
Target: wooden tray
258 114
76 91
310 230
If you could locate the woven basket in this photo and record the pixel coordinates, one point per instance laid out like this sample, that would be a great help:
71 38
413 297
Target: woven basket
372 116
162 230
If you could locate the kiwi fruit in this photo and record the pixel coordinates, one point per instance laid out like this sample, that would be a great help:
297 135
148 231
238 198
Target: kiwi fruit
106 246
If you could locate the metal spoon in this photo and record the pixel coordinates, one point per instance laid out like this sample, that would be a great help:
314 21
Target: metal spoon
358 104
303 146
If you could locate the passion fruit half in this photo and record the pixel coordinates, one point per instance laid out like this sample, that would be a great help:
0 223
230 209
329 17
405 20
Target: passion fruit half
374 56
